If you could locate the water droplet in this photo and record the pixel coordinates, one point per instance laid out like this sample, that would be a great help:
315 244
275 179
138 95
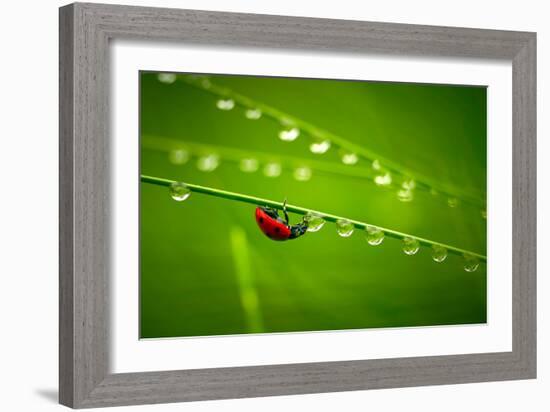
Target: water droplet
272 169
208 163
314 222
289 135
167 78
249 165
408 184
179 156
319 146
348 158
410 245
179 191
225 104
484 213
405 195
471 263
302 174
383 180
253 114
344 227
439 253
452 202
374 235
376 164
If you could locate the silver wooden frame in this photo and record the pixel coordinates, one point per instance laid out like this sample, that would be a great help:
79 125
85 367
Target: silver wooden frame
85 31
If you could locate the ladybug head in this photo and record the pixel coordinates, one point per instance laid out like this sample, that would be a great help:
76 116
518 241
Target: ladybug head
298 229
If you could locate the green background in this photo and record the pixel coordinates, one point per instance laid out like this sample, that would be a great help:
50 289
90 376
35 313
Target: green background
206 269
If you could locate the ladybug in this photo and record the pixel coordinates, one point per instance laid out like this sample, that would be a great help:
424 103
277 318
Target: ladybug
275 228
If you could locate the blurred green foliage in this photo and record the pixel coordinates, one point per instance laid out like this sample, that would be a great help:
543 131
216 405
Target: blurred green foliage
206 269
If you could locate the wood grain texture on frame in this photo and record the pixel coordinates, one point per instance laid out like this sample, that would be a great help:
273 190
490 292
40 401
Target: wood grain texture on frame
85 31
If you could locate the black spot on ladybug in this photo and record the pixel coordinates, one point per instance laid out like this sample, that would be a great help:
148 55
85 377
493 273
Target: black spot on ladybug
261 220
277 230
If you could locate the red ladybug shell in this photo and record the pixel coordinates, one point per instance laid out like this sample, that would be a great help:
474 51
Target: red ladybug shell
272 228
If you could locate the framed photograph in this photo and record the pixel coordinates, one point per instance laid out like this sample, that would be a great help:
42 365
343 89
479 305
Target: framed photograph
256 205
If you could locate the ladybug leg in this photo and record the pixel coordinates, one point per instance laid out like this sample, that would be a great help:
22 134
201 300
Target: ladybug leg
285 213
271 212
